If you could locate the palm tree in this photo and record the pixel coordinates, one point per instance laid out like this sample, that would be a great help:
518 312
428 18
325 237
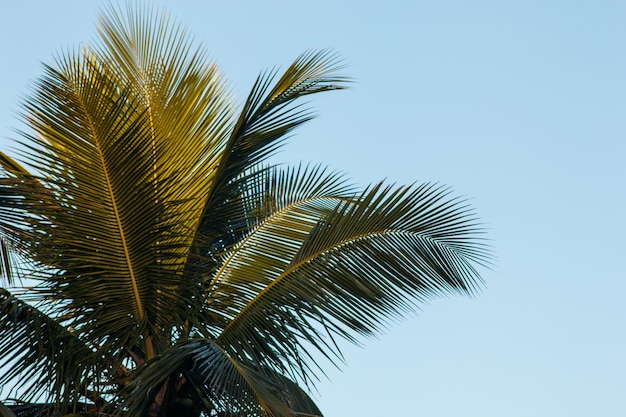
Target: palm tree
174 271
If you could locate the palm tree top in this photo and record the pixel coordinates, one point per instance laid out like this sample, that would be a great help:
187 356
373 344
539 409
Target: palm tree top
175 270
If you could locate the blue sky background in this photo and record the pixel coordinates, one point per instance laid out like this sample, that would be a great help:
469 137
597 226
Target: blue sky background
518 105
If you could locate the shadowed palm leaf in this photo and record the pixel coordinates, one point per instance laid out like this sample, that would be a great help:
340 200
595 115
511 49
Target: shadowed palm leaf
175 272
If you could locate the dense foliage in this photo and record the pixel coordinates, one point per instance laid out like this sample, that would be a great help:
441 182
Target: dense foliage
175 272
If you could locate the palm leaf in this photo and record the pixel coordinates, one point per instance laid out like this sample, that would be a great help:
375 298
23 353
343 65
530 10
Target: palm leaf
357 268
105 143
91 151
184 98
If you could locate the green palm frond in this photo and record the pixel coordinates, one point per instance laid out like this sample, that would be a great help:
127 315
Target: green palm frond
287 205
289 201
92 154
184 98
118 157
350 273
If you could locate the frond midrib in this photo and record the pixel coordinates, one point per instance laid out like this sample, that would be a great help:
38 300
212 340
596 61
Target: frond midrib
118 219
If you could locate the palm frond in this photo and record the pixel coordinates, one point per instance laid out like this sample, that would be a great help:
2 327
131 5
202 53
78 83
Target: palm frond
91 152
364 264
186 102
118 155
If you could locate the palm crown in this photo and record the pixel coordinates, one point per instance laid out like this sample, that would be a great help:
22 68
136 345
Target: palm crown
176 272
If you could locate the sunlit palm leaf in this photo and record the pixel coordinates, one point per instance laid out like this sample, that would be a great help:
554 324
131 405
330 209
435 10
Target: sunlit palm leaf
106 144
184 98
290 203
91 149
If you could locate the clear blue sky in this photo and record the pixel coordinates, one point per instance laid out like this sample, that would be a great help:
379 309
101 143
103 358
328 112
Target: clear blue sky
519 105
